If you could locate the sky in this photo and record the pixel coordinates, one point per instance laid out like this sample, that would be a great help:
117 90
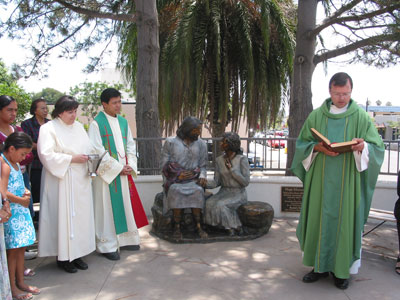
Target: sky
62 73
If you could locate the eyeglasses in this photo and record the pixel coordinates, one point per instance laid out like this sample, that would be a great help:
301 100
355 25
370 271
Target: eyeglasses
341 95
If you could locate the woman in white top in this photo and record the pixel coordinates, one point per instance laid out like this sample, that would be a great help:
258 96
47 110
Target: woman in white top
66 225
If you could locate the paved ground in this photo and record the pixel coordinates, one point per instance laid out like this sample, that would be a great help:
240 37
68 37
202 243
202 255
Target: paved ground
266 268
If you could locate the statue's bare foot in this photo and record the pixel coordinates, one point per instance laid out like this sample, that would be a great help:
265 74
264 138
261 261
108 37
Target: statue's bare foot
202 233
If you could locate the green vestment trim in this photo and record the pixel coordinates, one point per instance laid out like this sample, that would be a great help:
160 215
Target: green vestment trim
337 197
107 138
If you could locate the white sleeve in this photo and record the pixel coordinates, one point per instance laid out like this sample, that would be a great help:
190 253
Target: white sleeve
362 158
55 162
109 167
307 162
131 152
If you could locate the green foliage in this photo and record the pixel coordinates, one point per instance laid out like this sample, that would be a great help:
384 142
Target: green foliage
88 94
369 30
224 58
10 87
49 94
70 27
394 124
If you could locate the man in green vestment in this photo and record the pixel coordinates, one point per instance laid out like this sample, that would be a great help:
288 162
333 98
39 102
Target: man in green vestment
118 212
338 188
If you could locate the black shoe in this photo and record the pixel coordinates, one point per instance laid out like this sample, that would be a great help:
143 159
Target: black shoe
131 247
340 283
67 266
112 255
80 264
313 276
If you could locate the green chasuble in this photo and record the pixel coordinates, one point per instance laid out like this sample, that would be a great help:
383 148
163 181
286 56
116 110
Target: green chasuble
117 203
337 197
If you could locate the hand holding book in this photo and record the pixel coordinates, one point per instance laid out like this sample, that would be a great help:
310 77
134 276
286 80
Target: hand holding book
320 147
354 145
359 146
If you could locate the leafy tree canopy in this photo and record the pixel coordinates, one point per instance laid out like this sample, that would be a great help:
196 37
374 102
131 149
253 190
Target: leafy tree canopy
70 26
49 94
10 87
370 30
74 26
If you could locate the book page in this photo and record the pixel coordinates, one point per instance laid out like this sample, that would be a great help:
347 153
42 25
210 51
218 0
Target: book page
320 137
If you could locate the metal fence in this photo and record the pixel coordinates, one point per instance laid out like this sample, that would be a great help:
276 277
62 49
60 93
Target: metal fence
391 164
267 155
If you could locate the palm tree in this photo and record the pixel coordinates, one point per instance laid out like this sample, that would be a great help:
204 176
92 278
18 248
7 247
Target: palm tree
222 59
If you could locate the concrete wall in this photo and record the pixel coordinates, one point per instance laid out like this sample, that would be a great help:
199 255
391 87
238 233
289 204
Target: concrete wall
268 189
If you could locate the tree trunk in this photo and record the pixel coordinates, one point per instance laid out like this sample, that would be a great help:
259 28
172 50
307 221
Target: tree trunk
147 115
301 95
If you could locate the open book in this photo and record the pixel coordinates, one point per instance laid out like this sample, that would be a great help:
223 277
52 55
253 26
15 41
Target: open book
336 147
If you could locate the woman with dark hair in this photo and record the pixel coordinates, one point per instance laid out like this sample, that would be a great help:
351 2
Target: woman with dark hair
31 127
8 114
232 173
66 224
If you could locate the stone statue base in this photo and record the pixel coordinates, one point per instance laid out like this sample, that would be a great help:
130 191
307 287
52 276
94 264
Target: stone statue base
256 218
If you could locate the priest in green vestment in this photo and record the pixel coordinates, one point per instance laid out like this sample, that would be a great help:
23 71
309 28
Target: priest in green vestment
338 188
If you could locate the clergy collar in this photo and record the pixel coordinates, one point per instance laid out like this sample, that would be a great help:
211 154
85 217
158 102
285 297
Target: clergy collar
110 116
325 108
336 110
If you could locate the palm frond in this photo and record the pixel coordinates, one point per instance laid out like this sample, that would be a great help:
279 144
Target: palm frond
223 56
